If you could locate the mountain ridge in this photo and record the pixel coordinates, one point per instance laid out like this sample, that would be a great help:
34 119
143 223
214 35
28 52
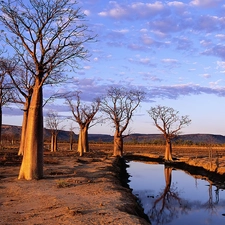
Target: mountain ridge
13 131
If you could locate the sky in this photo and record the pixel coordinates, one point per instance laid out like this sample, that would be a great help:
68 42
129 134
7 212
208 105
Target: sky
172 50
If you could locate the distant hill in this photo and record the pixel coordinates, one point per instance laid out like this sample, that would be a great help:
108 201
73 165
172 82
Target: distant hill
158 138
10 131
203 138
188 138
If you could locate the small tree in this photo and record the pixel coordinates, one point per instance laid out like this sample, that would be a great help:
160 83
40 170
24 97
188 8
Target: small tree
52 122
71 136
119 105
168 121
6 88
82 114
23 80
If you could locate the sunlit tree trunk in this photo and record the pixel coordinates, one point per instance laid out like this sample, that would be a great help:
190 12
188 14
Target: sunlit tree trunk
83 145
54 142
118 145
79 145
24 127
23 133
85 139
168 152
32 163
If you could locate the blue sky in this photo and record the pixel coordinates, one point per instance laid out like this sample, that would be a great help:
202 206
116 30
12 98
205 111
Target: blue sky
172 50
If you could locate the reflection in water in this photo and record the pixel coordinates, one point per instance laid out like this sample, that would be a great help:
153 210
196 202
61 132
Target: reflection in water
168 204
181 200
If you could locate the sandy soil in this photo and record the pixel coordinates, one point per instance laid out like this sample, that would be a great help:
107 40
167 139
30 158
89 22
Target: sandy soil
75 190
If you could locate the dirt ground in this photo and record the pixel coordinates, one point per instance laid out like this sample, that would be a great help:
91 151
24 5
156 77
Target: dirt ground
74 190
77 190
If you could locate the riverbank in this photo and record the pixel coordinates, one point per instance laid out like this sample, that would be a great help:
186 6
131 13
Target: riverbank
75 190
212 170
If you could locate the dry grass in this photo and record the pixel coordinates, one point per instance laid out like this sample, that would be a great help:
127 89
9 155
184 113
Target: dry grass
210 158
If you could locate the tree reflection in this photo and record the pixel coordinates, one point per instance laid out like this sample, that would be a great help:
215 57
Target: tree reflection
210 205
168 204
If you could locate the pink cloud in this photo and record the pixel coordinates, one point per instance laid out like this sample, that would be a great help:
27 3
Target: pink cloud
205 3
133 10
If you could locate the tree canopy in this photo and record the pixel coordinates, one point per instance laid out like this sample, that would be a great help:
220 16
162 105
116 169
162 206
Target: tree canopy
168 121
119 105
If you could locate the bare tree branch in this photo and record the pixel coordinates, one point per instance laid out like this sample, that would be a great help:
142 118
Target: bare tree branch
119 105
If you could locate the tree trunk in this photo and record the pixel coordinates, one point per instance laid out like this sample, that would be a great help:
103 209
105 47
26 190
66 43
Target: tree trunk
55 142
118 145
52 142
24 127
71 140
83 141
168 175
32 163
79 145
0 125
168 152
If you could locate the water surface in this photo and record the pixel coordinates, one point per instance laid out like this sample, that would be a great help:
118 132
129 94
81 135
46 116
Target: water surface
174 197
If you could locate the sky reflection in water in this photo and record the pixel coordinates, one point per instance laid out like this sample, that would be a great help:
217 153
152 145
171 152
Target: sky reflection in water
173 197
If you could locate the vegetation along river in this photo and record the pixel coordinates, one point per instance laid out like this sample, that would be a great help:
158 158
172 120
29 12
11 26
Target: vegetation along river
174 197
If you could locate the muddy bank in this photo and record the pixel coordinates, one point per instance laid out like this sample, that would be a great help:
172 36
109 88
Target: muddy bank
120 169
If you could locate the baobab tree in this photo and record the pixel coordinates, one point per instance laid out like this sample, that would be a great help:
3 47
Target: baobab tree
6 88
24 81
84 115
119 105
52 122
50 36
71 136
168 121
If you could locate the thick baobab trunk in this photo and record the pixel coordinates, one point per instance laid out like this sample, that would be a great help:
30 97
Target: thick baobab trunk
83 141
54 142
118 145
79 145
32 163
168 152
24 128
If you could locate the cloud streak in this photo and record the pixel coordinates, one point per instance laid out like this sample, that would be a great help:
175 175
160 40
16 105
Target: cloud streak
176 91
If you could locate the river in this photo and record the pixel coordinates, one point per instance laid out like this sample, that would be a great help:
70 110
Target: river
174 197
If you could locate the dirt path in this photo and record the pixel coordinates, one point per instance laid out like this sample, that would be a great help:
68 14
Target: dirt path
75 191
